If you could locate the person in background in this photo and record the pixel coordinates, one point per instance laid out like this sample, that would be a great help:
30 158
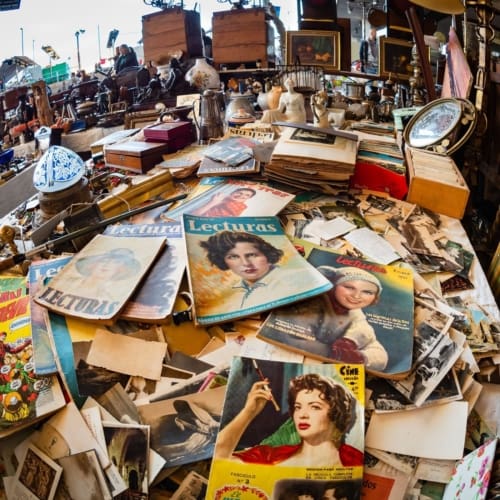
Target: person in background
126 59
368 53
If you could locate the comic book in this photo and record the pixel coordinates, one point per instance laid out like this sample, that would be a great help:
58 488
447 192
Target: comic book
96 284
240 266
372 325
289 429
24 396
154 299
234 198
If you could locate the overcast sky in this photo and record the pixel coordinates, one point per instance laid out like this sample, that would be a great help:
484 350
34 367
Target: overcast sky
55 22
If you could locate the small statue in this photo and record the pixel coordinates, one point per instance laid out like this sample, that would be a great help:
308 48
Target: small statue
291 107
319 106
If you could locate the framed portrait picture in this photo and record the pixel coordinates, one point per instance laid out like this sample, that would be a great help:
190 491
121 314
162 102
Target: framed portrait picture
395 57
314 47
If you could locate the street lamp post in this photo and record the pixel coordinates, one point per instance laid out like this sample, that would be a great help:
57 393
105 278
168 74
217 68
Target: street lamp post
77 35
22 41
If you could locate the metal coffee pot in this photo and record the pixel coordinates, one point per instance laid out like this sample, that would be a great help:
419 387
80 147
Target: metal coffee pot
210 121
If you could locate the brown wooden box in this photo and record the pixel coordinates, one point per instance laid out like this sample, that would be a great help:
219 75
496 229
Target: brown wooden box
436 183
242 36
137 156
169 31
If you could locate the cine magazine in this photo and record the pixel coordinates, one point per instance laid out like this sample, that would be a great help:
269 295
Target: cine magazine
307 437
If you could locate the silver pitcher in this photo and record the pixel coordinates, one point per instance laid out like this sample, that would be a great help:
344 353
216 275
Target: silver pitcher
209 122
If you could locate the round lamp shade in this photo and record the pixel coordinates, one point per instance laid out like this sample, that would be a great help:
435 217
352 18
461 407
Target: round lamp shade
59 168
443 6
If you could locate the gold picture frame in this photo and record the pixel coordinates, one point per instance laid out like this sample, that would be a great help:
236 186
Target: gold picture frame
314 48
395 57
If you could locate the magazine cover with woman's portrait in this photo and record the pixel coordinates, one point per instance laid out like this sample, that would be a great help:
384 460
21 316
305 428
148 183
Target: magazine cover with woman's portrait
366 317
240 266
290 429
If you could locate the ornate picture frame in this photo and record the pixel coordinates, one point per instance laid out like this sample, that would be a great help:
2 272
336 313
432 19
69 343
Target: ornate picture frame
395 57
314 48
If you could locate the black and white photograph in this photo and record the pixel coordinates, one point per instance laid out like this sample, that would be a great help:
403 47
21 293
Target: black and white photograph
128 449
430 325
78 469
184 428
429 372
193 487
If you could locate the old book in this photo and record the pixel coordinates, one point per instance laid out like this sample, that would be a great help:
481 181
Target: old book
366 318
96 284
234 198
212 167
26 397
154 300
320 153
240 266
278 447
44 353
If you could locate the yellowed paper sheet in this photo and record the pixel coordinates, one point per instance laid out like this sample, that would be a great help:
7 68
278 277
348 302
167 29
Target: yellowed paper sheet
123 354
435 432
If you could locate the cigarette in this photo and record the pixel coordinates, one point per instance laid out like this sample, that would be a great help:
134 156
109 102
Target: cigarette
266 386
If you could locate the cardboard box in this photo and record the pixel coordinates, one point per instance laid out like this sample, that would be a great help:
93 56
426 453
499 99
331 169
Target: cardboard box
137 156
242 36
177 134
436 183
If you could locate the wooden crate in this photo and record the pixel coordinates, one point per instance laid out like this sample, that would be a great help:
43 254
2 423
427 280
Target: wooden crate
242 36
436 183
169 31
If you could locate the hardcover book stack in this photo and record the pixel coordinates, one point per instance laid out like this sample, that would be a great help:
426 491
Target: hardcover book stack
311 157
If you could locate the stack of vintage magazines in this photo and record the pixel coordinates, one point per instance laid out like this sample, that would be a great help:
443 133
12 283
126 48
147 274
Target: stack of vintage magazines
318 158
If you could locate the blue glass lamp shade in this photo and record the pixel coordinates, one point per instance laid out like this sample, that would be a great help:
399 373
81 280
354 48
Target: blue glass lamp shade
59 168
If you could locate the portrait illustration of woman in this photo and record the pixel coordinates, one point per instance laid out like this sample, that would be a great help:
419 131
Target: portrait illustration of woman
256 264
227 205
322 414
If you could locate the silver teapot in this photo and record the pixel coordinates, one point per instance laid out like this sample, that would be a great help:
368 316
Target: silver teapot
210 120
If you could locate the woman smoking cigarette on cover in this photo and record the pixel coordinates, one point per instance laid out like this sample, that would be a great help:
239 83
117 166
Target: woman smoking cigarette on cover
323 413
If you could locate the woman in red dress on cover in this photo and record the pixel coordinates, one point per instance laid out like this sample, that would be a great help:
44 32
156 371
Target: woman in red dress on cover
323 413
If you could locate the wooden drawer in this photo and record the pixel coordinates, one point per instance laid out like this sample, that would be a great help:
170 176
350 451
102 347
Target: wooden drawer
137 156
